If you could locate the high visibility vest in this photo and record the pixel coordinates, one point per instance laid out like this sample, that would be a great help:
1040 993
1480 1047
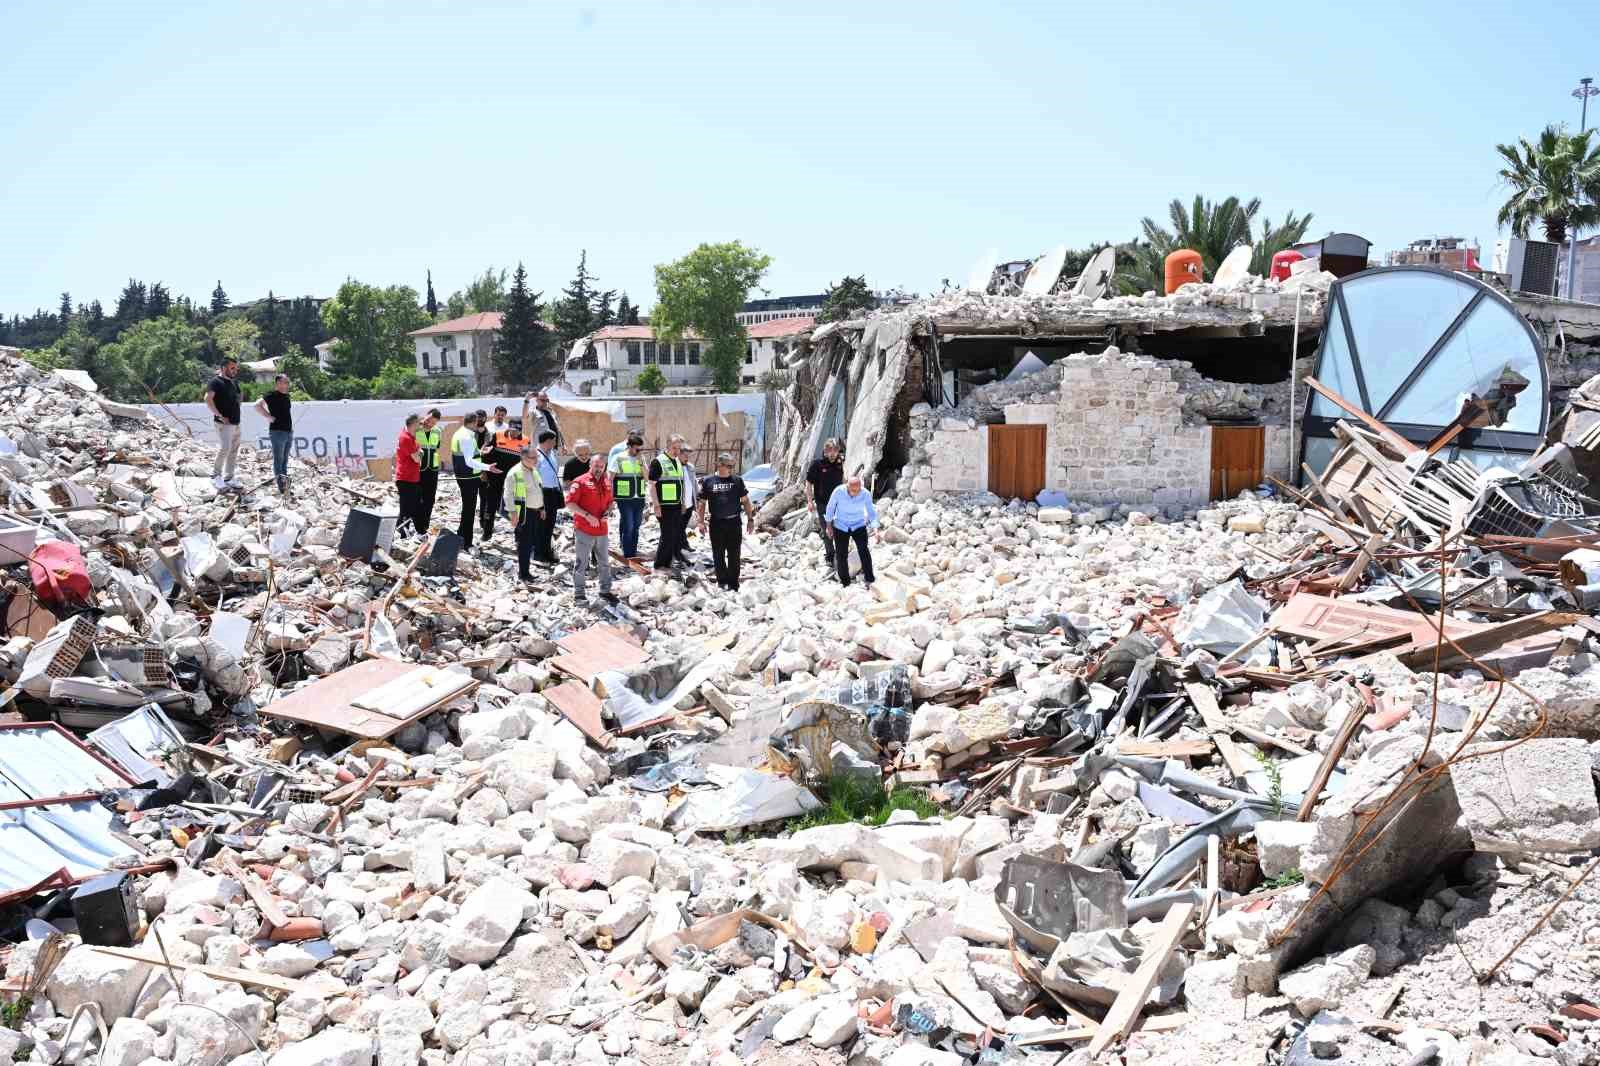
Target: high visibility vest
630 478
509 440
518 480
458 461
670 488
428 443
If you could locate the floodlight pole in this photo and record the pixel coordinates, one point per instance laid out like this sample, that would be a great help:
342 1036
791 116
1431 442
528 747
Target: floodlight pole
1584 90
1294 369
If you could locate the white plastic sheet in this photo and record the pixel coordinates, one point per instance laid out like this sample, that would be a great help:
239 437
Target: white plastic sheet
746 797
1222 619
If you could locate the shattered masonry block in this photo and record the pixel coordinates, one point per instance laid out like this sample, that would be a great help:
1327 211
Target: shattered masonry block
1535 796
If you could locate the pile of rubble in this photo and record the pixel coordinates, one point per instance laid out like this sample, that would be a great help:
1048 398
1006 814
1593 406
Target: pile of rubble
1198 792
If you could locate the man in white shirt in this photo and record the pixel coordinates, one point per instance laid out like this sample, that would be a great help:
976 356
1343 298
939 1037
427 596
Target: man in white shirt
469 471
548 467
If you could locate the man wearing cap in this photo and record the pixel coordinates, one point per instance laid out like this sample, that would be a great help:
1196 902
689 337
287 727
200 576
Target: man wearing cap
627 470
589 498
549 470
222 399
723 494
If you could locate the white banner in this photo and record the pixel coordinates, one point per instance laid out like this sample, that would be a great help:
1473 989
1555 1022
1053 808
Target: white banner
346 433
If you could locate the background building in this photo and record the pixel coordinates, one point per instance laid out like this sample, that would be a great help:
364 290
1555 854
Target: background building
1448 253
462 347
758 311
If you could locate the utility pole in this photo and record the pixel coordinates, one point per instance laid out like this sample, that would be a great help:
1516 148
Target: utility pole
1584 90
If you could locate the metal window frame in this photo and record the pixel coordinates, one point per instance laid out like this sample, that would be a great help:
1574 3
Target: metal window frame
1508 440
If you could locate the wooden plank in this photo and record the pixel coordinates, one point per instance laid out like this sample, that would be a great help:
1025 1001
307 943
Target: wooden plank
253 978
580 707
593 651
1484 640
1130 1001
1205 701
258 892
326 703
1159 1023
1330 759
1166 749
1400 444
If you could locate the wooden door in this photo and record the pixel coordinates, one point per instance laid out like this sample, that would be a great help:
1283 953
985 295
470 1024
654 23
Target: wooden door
1237 457
1016 461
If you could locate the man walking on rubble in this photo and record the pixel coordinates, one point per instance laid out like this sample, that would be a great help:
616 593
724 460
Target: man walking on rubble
666 495
851 513
627 479
723 494
523 481
427 468
408 479
222 400
589 498
822 477
469 471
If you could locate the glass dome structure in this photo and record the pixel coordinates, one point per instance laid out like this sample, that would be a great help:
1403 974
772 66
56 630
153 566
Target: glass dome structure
1411 345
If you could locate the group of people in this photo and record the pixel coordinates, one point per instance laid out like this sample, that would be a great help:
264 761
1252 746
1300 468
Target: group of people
499 470
493 454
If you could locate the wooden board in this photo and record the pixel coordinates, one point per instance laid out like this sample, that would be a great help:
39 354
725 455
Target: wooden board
325 704
580 707
591 652
1016 461
1130 1001
1238 457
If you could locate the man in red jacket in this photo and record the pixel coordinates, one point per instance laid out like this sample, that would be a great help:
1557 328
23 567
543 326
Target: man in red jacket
408 479
589 497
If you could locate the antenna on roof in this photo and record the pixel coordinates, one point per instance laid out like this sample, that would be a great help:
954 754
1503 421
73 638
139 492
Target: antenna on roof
1095 281
1045 272
983 271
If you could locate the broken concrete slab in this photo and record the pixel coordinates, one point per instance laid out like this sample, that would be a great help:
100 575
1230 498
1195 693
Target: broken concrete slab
1538 795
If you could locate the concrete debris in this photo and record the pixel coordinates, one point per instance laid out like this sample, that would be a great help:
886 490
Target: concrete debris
392 818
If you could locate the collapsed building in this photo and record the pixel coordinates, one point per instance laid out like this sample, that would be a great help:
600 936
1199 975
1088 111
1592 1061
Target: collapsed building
1291 775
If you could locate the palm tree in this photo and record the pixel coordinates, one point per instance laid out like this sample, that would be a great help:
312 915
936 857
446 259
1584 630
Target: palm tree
1213 230
1274 239
1545 177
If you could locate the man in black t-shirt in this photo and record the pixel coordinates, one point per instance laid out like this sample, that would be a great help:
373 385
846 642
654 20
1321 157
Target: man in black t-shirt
222 399
724 494
822 477
274 407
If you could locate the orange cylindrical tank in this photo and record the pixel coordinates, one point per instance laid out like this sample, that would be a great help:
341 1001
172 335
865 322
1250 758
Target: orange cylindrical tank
1282 261
1184 266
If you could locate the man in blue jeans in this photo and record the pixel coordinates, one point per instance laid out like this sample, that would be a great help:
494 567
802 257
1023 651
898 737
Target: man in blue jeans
274 406
627 470
849 516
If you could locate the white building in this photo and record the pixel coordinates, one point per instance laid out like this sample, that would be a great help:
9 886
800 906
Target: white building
462 347
325 355
610 360
756 312
770 345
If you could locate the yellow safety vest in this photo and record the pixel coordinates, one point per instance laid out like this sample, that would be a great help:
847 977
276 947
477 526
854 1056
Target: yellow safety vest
669 489
518 480
630 478
428 442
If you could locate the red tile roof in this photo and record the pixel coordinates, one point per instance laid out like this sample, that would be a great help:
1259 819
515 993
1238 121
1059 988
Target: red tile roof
465 324
633 333
780 327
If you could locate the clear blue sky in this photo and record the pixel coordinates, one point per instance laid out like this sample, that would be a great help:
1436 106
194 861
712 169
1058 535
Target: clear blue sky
286 146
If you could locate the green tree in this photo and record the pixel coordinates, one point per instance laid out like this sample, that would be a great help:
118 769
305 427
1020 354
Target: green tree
522 350
456 305
130 304
627 314
158 302
704 292
305 376
1545 177
160 354
487 291
846 299
651 381
573 315
1274 239
272 324
371 324
1212 229
219 300
604 315
431 305
65 313
238 337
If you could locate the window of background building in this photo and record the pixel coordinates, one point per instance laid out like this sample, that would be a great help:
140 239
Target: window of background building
694 354
425 360
463 354
749 352
633 353
649 351
680 354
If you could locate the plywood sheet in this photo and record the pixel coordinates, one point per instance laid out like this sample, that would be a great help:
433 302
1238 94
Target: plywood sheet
326 704
590 652
580 707
1316 617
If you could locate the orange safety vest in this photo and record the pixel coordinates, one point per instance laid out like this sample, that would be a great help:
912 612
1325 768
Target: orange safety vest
509 441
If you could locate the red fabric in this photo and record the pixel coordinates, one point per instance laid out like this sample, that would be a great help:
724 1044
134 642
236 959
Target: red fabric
405 467
59 576
594 496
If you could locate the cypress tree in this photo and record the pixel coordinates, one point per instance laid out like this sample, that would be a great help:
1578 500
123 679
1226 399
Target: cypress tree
219 300
522 350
